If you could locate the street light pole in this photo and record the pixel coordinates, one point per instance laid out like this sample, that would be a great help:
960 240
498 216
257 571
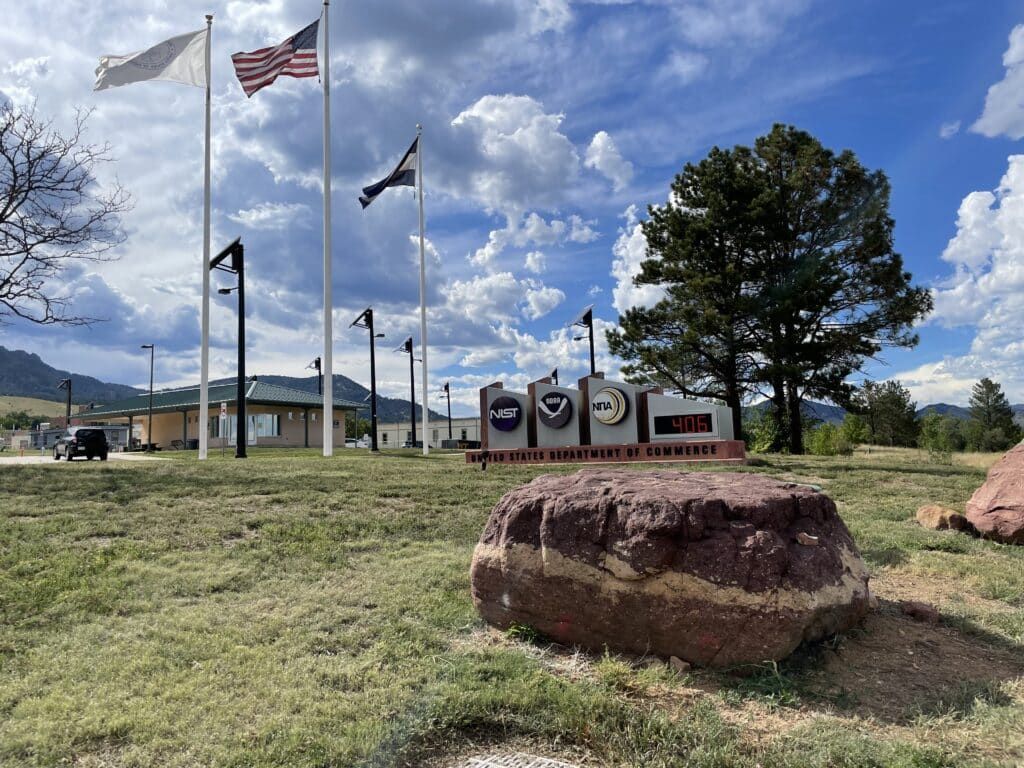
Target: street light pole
66 384
319 375
237 253
365 320
407 347
149 429
586 320
448 394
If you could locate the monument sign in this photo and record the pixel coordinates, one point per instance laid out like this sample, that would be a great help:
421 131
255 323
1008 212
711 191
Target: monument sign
602 421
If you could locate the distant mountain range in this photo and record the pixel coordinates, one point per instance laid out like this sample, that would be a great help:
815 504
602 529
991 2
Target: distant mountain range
830 414
945 409
833 414
23 374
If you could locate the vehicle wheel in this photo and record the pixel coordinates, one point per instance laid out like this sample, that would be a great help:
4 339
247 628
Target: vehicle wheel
56 456
103 457
88 457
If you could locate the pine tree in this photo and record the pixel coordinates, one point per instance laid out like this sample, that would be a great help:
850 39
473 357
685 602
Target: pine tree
991 427
780 278
890 414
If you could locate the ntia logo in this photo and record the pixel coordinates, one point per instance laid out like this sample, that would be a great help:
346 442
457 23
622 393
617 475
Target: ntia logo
505 413
610 406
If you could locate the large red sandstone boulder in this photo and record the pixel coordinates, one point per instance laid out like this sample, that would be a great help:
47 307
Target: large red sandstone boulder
997 508
717 569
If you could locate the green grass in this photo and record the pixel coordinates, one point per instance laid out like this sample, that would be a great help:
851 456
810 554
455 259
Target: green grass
32 406
293 610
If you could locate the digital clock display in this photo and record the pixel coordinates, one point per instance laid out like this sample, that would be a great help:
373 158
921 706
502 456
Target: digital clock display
685 424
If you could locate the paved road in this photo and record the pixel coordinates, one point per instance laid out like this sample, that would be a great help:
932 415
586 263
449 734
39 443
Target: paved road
47 458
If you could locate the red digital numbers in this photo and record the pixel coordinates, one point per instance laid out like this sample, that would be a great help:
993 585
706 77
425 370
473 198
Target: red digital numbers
684 424
698 422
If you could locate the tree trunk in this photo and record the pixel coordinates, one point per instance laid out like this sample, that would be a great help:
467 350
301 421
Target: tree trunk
780 416
796 432
732 399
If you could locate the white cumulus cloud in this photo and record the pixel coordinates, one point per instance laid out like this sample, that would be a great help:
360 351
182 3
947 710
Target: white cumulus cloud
604 156
987 289
630 250
949 130
1003 114
540 300
525 158
273 216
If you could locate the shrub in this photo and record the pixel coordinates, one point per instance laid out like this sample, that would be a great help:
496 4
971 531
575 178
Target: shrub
828 440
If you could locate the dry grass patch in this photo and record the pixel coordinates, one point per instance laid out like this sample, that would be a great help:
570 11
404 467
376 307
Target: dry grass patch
291 610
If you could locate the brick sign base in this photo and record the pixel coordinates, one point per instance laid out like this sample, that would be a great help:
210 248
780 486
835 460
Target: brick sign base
726 451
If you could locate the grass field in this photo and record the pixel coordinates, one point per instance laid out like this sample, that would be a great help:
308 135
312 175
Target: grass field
31 405
296 611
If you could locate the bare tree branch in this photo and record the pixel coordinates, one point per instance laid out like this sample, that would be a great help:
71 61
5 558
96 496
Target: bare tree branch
53 214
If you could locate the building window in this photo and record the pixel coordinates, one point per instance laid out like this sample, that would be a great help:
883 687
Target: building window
408 436
215 427
337 423
313 416
266 424
384 437
435 436
291 416
464 434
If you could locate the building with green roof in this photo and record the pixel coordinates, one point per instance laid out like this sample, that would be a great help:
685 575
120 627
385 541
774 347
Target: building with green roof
276 416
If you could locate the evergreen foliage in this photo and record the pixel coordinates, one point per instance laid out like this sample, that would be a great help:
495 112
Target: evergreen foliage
780 278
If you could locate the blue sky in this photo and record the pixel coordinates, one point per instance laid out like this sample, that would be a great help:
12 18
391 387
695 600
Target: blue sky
549 127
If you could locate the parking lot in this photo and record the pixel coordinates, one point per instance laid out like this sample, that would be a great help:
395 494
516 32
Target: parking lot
35 457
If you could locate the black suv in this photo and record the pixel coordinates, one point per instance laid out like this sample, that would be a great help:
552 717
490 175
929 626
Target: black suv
81 441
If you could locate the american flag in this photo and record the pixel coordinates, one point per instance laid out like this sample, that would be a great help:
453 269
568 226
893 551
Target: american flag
295 57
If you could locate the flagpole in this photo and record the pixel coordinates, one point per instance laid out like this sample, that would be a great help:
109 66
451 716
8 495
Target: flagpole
204 365
423 287
328 366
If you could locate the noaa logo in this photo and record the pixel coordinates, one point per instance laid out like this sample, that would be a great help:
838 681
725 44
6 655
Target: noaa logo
505 413
609 406
157 57
554 410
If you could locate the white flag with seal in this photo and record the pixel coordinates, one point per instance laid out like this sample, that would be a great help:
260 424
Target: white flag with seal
181 59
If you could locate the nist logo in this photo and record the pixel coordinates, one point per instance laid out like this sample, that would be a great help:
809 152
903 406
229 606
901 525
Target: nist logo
505 414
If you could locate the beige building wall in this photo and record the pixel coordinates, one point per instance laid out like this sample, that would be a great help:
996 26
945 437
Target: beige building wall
392 435
168 427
